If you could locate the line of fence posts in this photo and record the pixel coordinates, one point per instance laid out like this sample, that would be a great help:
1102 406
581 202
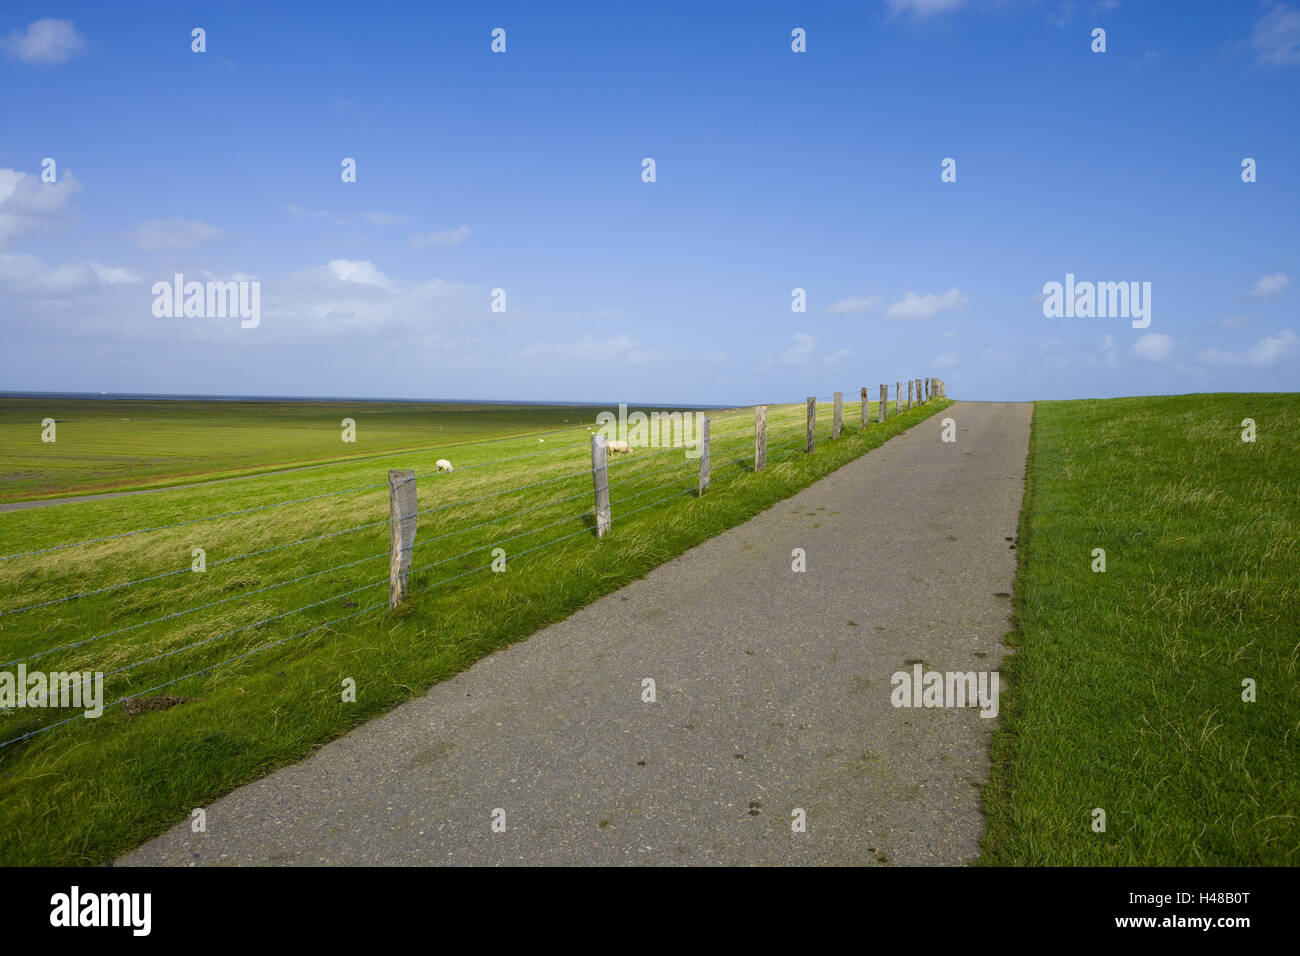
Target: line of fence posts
402 499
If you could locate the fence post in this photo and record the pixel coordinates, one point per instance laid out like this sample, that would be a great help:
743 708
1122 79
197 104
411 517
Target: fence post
812 423
704 455
881 413
600 479
760 437
837 420
866 407
402 508
898 397
911 383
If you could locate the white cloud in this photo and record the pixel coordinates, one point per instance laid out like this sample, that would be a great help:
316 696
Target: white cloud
922 8
913 306
948 334
447 237
357 270
800 352
168 235
854 305
1277 36
28 275
379 219
46 41
947 360
834 358
1110 350
383 218
29 205
1154 347
621 349
1236 322
1268 287
1265 353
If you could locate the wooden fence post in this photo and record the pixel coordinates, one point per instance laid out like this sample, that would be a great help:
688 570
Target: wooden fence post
760 437
911 383
402 508
884 404
812 423
600 480
866 408
898 397
704 455
837 420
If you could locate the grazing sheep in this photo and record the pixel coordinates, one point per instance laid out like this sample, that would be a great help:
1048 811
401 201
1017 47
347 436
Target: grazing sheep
619 447
443 464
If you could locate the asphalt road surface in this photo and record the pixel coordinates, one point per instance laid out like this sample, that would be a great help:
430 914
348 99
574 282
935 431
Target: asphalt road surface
772 696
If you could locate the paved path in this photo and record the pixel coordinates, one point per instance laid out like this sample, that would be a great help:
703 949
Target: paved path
772 693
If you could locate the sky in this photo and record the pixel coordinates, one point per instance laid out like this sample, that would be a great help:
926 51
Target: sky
774 170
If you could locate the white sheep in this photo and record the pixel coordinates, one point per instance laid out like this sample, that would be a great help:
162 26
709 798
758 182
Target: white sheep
619 447
443 464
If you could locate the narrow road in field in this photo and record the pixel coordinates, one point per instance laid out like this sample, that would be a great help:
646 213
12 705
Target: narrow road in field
772 693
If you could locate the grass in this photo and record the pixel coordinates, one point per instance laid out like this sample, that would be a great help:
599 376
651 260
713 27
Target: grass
85 791
1125 691
129 444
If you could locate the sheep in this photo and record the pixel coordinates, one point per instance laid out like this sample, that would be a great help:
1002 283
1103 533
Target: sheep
619 447
443 464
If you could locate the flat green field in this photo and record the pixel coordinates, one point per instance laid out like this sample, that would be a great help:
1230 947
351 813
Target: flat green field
1126 691
293 601
114 445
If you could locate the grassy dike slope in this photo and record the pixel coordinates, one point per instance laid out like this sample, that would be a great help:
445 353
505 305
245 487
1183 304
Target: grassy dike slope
86 791
1126 689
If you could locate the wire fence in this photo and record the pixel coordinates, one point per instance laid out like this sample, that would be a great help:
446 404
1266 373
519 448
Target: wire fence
159 645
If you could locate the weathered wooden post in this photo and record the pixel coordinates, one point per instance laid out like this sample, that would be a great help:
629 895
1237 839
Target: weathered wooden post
704 455
402 508
898 397
884 403
600 480
866 408
837 419
911 383
760 437
812 423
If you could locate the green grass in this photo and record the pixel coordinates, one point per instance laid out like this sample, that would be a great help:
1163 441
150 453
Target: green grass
88 790
118 445
1125 691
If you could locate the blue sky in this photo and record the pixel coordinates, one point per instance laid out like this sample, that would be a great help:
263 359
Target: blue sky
775 170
